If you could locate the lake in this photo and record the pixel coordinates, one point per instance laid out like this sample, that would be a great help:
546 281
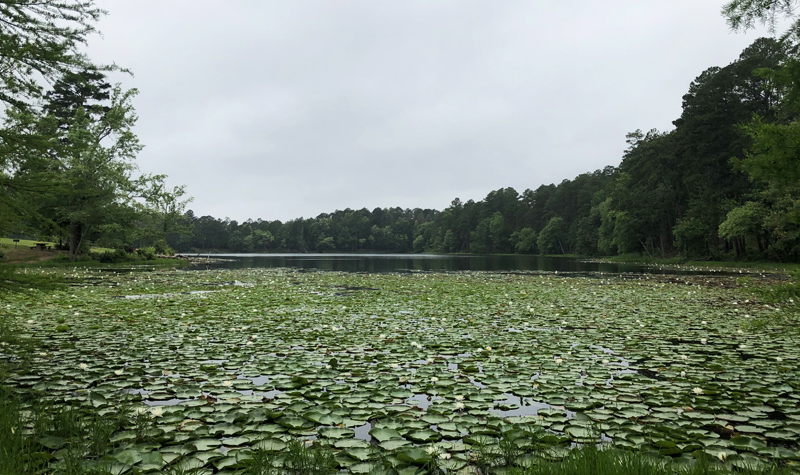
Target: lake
383 263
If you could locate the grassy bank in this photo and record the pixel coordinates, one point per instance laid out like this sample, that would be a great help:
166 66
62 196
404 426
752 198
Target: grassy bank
684 262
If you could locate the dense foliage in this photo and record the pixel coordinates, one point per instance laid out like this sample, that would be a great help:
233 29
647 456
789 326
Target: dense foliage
711 188
67 150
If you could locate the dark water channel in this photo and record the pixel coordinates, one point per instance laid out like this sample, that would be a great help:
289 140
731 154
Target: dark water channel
382 263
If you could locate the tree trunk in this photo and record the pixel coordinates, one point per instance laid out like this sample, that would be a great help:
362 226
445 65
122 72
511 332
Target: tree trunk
75 242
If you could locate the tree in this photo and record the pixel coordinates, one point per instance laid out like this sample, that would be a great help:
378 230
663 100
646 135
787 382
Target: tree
745 14
90 155
41 39
524 241
552 237
773 160
163 209
39 43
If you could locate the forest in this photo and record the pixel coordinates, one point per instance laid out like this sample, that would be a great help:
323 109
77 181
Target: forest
723 184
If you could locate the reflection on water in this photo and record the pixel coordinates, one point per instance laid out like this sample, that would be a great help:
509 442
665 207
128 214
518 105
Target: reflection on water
381 263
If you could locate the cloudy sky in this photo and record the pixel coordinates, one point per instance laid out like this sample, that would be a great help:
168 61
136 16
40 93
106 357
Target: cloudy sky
278 109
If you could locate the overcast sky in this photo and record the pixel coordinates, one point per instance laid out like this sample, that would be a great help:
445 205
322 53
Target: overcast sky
279 109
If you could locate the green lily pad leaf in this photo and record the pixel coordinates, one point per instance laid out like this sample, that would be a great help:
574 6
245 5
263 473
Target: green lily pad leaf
52 442
384 434
235 441
336 432
364 468
203 445
434 418
97 399
414 455
393 444
129 457
293 422
324 419
749 429
580 432
151 461
424 435
350 443
359 453
270 445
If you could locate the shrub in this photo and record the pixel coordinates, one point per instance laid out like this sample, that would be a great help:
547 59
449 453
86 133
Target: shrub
163 248
147 253
118 255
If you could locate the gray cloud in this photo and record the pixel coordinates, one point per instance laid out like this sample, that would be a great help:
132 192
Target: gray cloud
276 109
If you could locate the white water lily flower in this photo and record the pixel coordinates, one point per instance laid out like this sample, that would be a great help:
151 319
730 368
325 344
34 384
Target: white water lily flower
697 391
84 366
394 366
778 359
381 336
488 348
704 322
434 379
459 406
683 374
432 450
430 360
30 321
227 383
459 398
559 361
723 456
703 341
444 456
157 412
118 372
742 346
43 354
605 361
684 357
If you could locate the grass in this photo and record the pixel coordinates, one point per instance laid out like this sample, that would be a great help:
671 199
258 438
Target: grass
593 460
9 243
685 262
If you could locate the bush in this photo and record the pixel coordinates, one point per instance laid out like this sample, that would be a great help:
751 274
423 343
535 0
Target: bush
147 253
163 248
118 255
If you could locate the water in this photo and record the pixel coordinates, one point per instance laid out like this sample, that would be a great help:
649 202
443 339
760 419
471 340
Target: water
382 263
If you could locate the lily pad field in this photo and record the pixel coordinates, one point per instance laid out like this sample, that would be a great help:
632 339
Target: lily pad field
406 370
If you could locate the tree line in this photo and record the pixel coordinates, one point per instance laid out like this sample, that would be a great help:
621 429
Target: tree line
724 183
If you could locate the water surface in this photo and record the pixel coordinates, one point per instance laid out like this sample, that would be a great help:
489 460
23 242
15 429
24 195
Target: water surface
382 263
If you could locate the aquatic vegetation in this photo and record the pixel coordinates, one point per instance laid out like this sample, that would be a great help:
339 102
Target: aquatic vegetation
226 370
